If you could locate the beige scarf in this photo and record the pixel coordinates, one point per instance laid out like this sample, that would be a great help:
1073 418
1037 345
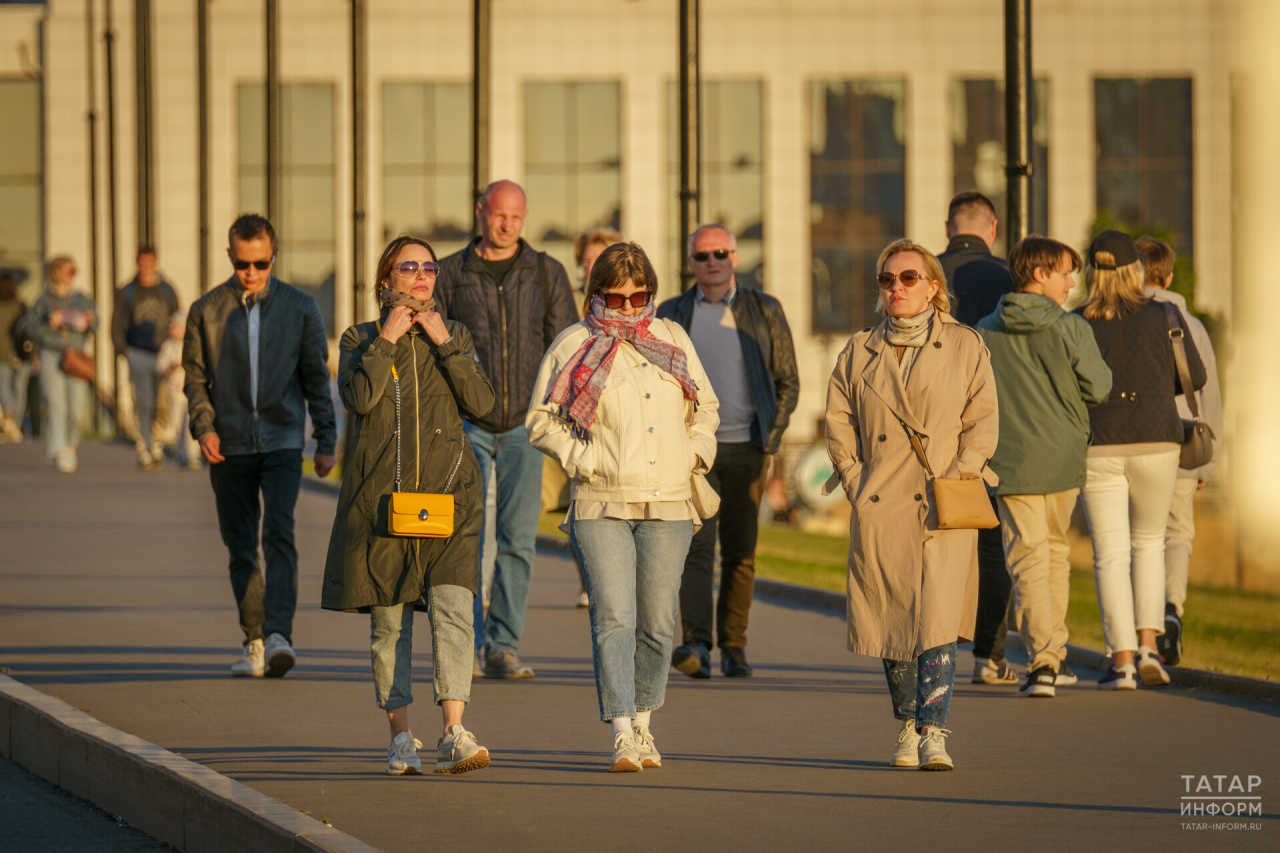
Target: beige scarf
909 334
389 297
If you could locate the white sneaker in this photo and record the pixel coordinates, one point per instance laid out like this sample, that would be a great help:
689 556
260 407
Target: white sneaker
279 656
250 664
459 752
985 673
1150 669
626 758
402 756
66 462
904 754
1119 678
584 600
649 755
933 751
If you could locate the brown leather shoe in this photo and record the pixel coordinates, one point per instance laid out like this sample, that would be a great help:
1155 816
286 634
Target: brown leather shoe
733 663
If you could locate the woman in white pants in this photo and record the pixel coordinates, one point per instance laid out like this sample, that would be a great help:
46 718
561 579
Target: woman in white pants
1133 460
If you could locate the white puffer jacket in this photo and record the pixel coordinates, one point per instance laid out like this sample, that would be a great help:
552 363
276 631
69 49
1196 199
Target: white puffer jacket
645 437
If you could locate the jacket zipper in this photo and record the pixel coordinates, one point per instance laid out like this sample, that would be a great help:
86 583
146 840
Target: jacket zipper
506 369
257 440
417 409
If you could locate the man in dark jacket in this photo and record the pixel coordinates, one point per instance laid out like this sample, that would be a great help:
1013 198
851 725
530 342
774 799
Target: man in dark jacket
978 279
745 345
139 325
255 356
515 301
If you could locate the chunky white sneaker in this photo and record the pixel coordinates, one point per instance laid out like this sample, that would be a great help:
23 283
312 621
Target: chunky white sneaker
649 755
584 600
933 750
1119 678
66 462
626 758
279 656
1150 669
402 756
459 752
250 664
984 672
904 753
1066 676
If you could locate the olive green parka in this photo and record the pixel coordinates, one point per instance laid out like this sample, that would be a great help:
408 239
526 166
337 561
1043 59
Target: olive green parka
367 566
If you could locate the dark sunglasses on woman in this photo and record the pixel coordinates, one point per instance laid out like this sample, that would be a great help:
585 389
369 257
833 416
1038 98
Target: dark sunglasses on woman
701 257
409 269
908 278
261 265
615 301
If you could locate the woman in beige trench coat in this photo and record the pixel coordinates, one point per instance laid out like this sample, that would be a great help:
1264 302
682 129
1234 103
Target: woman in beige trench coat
912 588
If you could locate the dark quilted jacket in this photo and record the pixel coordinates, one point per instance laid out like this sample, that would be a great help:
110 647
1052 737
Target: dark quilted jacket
509 322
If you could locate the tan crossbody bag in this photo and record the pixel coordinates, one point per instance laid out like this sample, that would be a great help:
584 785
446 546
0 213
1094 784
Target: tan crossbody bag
962 504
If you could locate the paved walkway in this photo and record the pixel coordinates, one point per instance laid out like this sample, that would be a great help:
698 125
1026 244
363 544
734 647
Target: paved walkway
114 597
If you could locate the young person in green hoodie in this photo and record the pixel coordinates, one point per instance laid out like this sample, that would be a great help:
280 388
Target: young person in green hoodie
1048 372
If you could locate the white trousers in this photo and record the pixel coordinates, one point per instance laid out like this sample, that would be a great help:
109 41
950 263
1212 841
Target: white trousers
1177 542
1127 500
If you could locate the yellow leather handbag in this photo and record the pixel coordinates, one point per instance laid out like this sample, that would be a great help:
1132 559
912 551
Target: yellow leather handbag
962 504
420 515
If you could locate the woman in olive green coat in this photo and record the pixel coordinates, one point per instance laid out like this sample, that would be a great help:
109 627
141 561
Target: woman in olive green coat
416 368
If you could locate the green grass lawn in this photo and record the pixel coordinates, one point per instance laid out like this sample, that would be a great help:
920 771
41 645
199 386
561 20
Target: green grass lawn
1223 630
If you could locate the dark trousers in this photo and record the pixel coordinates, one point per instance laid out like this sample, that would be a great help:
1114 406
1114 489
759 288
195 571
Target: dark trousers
995 585
736 478
236 486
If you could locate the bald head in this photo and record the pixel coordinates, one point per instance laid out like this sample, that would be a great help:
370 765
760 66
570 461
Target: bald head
502 193
501 213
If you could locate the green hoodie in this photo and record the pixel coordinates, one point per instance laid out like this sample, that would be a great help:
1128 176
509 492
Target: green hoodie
1048 372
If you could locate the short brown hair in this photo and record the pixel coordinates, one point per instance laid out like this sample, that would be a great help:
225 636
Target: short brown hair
1035 252
1158 259
602 236
941 300
620 263
966 205
392 252
251 226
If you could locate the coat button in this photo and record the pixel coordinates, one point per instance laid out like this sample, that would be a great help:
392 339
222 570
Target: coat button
645 364
937 344
655 493
653 461
646 396
875 499
881 438
918 497
650 429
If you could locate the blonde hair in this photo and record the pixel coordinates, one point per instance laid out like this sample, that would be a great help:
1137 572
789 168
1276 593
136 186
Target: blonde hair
596 236
941 299
1111 291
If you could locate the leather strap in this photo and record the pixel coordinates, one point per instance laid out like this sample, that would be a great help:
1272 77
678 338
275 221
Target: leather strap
1178 336
918 446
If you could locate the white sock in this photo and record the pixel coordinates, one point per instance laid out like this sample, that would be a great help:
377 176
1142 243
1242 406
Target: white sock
643 717
621 724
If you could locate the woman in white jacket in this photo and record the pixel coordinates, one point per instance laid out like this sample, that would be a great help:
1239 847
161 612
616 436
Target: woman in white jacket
622 402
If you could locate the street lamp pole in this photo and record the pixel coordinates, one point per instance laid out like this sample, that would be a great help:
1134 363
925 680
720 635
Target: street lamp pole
202 124
273 113
359 177
690 152
1017 117
481 43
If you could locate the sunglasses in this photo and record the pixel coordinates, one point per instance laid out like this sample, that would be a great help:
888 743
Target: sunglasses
615 301
701 257
409 269
261 265
907 277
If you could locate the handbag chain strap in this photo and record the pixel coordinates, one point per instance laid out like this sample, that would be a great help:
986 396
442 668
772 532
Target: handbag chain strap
1178 336
395 378
918 447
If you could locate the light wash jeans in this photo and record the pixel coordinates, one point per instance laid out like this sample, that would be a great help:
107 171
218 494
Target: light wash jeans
633 571
391 642
13 390
1127 500
68 402
518 466
142 376
921 689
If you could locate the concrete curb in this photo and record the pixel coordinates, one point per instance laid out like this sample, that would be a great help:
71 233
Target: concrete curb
1198 679
184 804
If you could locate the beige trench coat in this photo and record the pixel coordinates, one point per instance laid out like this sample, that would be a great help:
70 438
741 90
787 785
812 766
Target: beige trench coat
911 586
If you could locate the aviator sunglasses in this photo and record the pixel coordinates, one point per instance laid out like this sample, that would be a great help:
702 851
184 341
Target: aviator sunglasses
409 269
615 301
701 257
908 278
261 265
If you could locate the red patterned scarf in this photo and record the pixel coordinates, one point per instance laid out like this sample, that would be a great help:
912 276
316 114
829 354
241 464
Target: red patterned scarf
578 387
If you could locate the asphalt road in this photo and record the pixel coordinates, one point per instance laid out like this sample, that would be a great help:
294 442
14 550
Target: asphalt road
114 597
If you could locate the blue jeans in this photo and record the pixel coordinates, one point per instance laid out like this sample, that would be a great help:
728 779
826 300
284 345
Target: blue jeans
391 644
142 376
519 479
633 571
68 401
13 390
921 688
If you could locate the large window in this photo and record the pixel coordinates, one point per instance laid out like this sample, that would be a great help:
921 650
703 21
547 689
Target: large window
1143 132
857 168
978 148
732 171
307 222
21 187
426 163
573 163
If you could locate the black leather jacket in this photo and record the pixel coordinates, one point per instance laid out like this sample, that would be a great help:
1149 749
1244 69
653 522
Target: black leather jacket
769 354
510 322
293 374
